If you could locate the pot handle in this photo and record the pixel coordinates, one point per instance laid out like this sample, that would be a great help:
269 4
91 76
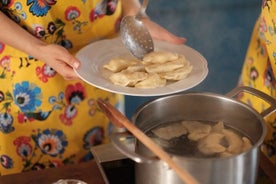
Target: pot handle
271 101
125 143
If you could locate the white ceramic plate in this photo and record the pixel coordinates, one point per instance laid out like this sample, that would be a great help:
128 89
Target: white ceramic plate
95 55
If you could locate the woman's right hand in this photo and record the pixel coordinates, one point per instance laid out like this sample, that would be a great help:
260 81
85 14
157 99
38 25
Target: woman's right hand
59 59
55 56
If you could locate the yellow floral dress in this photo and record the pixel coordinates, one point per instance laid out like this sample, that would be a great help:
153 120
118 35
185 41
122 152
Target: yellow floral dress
46 121
259 70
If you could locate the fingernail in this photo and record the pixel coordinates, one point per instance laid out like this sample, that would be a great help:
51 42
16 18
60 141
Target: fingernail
76 65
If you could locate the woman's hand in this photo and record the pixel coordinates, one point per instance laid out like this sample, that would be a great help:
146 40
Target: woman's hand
160 33
55 56
59 59
131 8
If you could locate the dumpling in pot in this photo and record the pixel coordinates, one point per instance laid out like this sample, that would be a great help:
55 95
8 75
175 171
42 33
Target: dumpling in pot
234 141
196 129
246 144
225 154
170 131
211 144
218 127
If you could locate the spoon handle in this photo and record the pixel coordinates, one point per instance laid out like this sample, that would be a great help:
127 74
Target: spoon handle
142 12
119 119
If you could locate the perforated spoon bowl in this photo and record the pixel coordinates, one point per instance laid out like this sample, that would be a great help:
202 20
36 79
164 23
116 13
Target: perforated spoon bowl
135 36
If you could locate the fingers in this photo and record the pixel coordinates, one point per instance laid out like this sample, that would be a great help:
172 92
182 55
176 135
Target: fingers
60 60
160 33
64 69
72 61
171 38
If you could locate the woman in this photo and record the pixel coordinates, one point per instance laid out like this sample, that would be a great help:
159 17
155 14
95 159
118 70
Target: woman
48 116
259 70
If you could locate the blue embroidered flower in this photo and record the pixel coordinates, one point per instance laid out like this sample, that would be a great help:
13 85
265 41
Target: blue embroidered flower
51 142
27 96
6 161
40 8
93 137
6 121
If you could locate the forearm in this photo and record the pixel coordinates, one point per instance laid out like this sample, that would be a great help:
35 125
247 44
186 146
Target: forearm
16 37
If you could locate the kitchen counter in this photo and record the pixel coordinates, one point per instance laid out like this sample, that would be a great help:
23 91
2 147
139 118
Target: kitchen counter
91 173
87 172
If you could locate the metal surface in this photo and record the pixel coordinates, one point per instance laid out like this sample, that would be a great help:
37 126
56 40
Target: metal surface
135 35
119 119
238 169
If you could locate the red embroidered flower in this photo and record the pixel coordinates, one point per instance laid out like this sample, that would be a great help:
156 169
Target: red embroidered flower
263 27
72 13
2 47
39 31
5 62
75 93
23 146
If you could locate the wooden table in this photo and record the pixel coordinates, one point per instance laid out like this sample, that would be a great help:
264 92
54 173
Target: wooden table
90 173
87 172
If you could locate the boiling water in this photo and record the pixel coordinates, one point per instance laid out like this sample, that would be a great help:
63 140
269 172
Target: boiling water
183 146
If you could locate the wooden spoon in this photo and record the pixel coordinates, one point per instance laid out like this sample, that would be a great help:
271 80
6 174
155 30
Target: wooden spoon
120 120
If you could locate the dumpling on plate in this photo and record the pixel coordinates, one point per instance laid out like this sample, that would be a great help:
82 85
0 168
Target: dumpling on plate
159 57
196 130
170 131
125 78
165 67
135 68
177 74
117 64
152 81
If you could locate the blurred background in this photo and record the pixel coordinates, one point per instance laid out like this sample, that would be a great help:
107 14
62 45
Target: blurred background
219 29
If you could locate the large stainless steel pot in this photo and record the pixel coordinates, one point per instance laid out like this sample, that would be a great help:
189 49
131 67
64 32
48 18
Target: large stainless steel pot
238 169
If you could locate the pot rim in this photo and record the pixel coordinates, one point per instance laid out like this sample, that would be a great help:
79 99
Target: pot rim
256 145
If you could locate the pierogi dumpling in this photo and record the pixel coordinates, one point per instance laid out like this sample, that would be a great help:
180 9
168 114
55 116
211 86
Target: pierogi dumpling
196 129
152 81
117 64
159 57
125 78
177 74
165 67
160 66
170 131
235 142
218 128
211 144
135 68
246 144
225 154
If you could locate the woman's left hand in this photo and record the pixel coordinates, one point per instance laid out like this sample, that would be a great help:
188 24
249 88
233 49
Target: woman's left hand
160 33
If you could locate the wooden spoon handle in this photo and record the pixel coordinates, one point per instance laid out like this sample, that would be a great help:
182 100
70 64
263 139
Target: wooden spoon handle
119 119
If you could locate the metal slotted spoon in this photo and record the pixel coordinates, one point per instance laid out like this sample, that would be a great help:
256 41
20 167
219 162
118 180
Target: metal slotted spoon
135 35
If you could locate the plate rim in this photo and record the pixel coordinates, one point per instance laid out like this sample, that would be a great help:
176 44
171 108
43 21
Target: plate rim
131 91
